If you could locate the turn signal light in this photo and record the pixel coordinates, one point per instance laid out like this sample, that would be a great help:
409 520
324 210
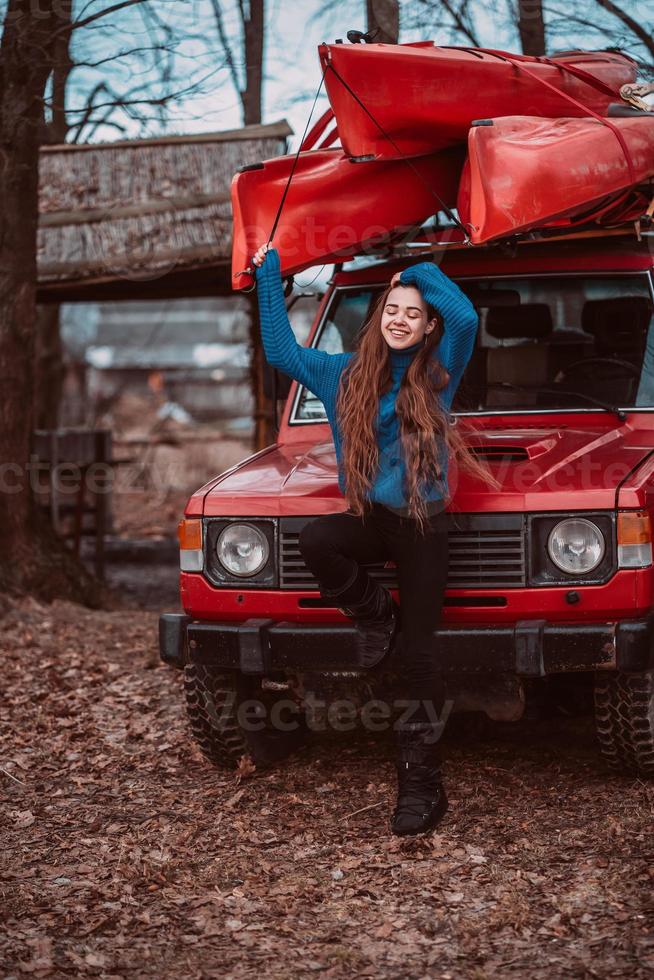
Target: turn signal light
634 539
189 533
191 555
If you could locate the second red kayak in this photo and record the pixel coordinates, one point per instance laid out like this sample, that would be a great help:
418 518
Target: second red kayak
425 97
523 173
334 208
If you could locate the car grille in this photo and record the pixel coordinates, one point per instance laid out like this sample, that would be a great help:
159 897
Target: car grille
486 551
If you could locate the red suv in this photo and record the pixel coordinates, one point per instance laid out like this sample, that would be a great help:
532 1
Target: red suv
550 575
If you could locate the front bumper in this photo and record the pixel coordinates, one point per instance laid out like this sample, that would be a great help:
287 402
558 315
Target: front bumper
529 648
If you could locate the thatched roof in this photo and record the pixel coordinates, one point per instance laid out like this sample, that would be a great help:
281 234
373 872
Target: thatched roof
135 216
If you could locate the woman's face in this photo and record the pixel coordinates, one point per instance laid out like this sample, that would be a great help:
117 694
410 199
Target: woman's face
404 318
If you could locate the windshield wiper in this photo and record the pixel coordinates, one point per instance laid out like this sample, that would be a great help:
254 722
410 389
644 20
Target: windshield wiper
607 406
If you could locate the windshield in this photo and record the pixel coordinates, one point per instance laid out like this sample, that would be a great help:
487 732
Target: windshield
544 343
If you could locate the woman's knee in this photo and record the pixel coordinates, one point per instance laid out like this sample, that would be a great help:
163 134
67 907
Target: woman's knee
315 537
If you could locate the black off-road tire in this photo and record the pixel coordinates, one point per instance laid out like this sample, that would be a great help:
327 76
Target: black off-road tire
211 711
624 720
212 702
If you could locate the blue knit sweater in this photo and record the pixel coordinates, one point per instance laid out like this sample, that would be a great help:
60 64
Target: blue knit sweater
320 372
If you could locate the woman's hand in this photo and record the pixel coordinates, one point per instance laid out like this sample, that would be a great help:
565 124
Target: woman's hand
395 279
259 256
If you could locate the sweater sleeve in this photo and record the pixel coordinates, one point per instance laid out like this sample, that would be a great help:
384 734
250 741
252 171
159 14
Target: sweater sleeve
459 315
313 368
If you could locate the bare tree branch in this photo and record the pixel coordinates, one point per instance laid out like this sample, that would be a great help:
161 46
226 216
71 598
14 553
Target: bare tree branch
76 128
570 18
123 101
630 22
106 122
458 18
461 21
76 24
114 57
220 26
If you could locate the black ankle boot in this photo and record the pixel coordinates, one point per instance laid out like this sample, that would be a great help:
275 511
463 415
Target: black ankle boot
421 798
376 620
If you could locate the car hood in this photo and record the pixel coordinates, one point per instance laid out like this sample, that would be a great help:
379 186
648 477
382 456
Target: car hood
538 467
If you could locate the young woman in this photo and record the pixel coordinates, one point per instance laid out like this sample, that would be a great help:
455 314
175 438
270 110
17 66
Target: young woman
388 407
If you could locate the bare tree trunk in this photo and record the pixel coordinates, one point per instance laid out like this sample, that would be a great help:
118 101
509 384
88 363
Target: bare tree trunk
253 38
49 359
263 407
62 67
48 367
251 98
531 25
27 555
383 19
250 92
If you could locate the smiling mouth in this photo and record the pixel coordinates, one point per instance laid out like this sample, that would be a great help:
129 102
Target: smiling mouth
398 333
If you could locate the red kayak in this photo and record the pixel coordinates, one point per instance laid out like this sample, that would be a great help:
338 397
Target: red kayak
334 207
425 97
525 172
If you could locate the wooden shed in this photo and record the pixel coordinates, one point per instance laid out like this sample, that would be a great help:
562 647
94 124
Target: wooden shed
143 218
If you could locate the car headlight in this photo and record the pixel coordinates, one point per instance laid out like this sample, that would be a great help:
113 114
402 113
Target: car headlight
242 549
576 545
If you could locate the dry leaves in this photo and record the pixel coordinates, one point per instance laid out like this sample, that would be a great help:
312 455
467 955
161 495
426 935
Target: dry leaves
126 855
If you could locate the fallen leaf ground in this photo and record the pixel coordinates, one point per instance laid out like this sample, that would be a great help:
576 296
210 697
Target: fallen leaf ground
126 855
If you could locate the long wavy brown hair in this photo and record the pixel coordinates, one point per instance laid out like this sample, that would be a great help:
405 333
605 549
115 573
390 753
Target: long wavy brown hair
424 426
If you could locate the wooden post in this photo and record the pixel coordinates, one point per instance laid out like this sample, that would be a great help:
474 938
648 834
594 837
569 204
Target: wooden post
102 455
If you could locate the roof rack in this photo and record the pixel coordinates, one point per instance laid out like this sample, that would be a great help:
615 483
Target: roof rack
428 243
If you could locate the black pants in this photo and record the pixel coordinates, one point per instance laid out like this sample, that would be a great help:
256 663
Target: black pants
334 547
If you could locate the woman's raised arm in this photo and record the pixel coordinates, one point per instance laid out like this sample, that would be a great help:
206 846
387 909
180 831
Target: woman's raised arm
459 315
310 367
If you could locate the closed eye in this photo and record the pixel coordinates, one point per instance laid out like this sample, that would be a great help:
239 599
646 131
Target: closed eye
392 307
